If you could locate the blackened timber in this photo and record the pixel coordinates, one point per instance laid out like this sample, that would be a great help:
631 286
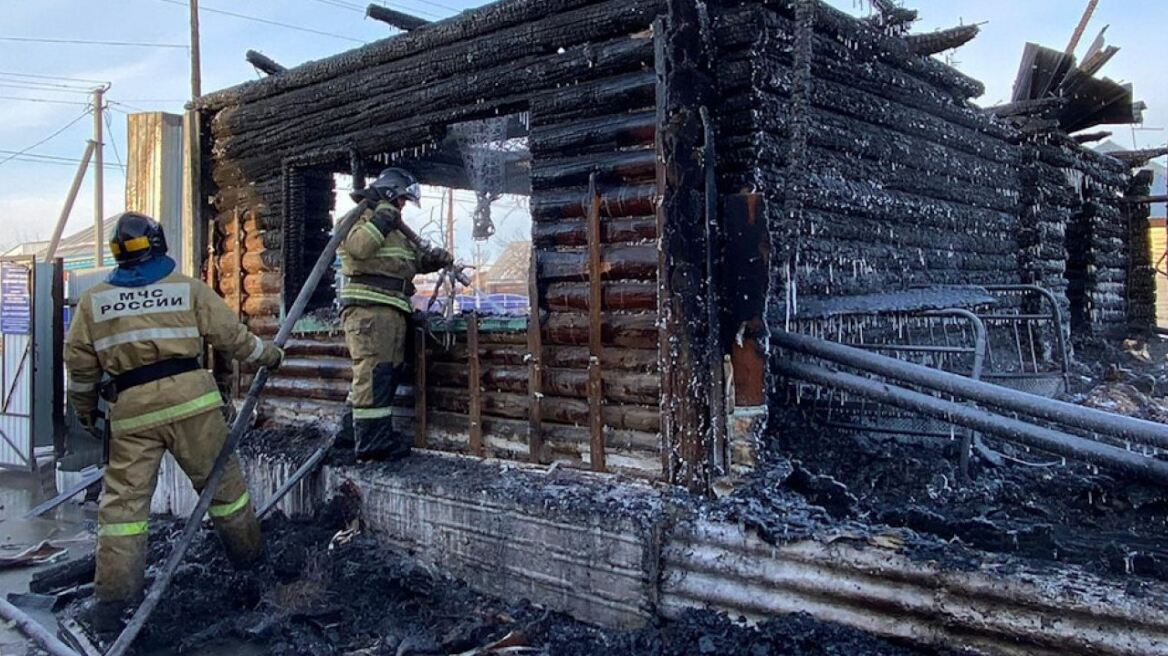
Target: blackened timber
619 295
595 135
617 359
535 364
420 382
595 336
398 19
490 19
665 364
616 202
265 64
620 262
620 93
558 410
931 43
615 167
612 231
628 387
631 330
713 238
688 86
475 384
370 123
528 44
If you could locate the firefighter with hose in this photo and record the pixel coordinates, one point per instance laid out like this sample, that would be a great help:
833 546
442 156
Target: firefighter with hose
380 260
144 330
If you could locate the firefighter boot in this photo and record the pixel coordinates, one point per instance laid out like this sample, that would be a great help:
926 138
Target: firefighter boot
240 533
377 439
345 439
106 619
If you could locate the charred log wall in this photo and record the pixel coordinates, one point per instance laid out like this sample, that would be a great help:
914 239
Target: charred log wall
899 180
583 72
1141 276
1097 242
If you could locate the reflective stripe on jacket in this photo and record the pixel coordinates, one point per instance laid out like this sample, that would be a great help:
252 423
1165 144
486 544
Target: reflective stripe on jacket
366 251
118 329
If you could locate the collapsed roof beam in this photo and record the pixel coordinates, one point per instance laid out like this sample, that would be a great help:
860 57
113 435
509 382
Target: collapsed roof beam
401 21
1138 158
264 63
1091 137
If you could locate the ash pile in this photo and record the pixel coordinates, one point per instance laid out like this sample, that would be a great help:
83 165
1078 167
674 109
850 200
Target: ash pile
329 588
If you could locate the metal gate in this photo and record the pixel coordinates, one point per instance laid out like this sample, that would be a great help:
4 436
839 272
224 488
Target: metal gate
17 359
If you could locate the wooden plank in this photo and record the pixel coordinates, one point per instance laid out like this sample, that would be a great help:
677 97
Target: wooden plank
476 401
664 361
420 388
595 332
534 365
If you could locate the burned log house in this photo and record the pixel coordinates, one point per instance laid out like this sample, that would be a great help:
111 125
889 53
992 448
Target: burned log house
699 174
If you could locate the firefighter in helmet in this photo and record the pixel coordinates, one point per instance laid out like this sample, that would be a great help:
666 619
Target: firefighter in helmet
380 263
144 330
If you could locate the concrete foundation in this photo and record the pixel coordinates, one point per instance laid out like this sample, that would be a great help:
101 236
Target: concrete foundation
617 552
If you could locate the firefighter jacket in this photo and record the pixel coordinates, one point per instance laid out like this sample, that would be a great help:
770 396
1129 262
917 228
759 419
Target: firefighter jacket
118 329
381 262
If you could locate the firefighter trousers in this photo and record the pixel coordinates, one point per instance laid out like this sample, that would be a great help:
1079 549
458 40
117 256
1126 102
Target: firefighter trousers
375 335
130 478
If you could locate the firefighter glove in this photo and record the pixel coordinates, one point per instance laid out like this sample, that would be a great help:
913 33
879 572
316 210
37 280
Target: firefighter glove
88 421
440 256
272 357
386 221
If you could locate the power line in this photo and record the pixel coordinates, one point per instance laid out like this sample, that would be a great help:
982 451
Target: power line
86 42
30 87
341 5
152 100
45 85
68 125
431 4
50 101
50 159
55 77
125 104
412 10
266 21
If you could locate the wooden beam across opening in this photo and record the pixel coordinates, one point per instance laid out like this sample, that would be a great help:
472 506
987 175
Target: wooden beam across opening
534 365
595 335
420 427
400 20
476 385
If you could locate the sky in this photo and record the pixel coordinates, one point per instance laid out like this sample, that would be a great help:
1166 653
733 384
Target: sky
156 77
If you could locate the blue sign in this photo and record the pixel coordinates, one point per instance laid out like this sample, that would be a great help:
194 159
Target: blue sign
15 299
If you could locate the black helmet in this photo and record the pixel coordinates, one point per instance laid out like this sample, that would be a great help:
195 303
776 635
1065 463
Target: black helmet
137 238
391 185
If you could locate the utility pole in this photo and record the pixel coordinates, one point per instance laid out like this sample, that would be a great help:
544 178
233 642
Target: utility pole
98 178
70 198
196 65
